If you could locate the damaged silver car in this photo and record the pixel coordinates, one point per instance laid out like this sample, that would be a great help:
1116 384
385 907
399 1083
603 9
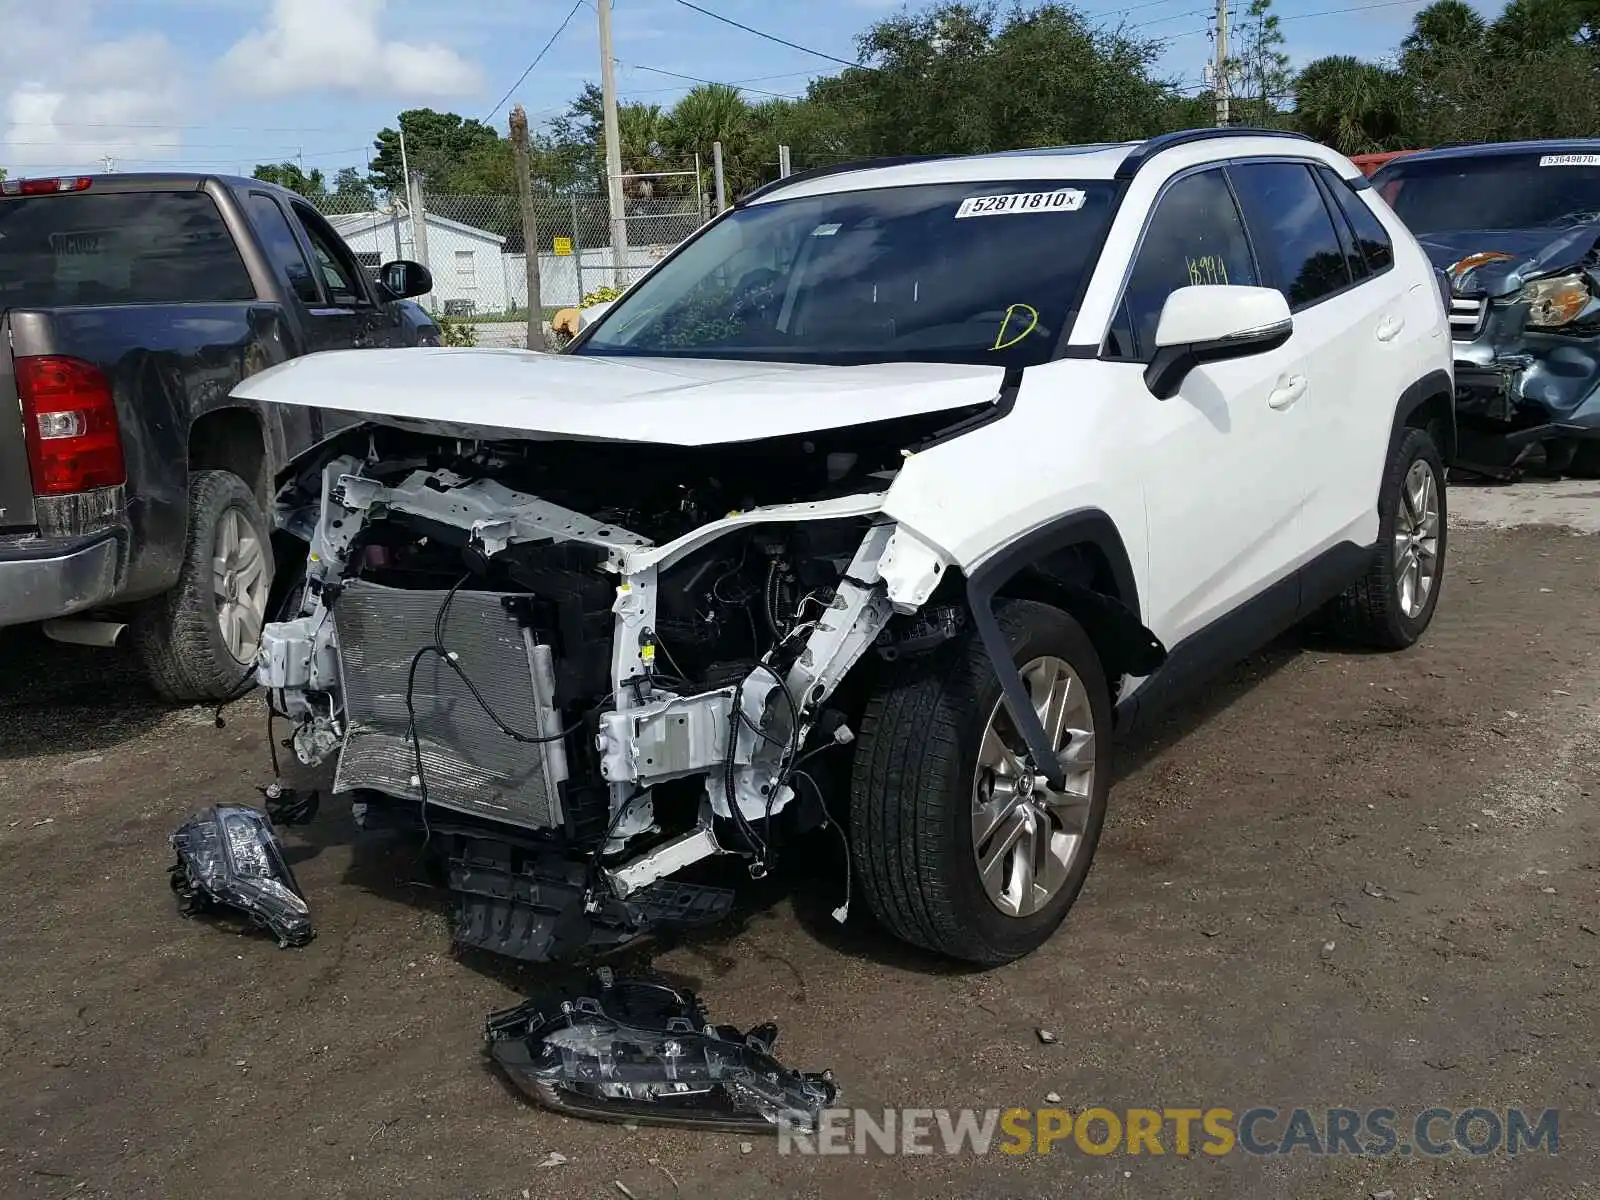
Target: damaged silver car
1515 227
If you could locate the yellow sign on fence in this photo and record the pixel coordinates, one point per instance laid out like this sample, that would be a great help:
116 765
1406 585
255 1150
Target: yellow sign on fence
563 246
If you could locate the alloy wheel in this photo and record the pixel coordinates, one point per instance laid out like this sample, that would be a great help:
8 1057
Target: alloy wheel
1026 835
240 581
1416 539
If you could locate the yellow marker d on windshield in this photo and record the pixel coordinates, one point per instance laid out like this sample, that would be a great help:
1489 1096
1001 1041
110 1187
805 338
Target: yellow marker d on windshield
1001 342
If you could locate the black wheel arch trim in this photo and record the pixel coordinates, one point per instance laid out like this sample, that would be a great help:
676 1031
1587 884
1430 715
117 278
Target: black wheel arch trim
1435 385
1090 527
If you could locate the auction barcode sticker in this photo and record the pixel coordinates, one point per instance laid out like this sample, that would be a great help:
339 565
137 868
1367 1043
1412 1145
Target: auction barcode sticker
1570 160
1061 200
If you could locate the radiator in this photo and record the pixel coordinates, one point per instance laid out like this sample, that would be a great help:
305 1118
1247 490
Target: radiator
468 764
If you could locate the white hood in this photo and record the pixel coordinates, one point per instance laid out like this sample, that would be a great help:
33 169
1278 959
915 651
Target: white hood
684 402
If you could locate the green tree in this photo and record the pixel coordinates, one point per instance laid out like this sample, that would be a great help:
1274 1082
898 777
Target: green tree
1259 77
959 78
1354 106
351 192
456 155
292 176
710 113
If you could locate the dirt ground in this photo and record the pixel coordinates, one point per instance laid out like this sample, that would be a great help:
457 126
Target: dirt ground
1340 880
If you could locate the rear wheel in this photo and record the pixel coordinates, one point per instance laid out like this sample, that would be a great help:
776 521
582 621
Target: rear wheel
1391 605
959 842
198 639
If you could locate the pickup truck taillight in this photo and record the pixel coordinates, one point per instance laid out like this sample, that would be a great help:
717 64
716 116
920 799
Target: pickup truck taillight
70 424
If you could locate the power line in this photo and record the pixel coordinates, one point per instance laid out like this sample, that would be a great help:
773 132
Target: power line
1193 12
773 38
1328 12
712 82
560 29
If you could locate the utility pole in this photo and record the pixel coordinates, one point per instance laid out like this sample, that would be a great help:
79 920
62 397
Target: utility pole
783 162
405 165
1220 68
716 175
530 227
608 95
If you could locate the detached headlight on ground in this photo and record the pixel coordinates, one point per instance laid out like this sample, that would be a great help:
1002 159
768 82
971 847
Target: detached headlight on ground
230 856
1556 301
640 1050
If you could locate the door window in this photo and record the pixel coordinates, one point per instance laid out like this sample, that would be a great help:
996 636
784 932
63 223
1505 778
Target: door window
334 261
1195 236
1377 248
1292 230
282 246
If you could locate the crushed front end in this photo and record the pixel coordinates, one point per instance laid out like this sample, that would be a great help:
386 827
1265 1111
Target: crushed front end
1527 351
582 675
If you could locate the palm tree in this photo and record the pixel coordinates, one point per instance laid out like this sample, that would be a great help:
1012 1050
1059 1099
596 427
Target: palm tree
714 112
1354 106
642 133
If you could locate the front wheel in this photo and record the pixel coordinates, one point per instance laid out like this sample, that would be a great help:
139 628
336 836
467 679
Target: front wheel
960 844
1391 605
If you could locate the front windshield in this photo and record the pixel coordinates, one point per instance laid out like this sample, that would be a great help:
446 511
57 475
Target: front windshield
960 272
1492 192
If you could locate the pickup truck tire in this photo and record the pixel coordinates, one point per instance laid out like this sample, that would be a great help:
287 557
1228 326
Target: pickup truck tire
179 635
920 788
1378 610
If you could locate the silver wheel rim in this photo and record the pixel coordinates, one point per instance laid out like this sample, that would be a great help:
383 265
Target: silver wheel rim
240 580
1026 836
1416 539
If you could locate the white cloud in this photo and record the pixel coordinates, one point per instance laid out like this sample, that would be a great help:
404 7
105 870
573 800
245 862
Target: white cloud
70 101
337 46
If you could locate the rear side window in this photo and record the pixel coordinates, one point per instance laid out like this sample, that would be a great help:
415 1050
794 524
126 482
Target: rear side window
88 248
1373 240
1194 236
1292 230
281 246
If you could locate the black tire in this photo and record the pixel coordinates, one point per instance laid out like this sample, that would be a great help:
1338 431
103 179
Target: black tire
1370 612
177 634
1585 462
911 791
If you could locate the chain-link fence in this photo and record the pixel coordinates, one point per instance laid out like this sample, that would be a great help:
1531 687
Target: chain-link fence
475 245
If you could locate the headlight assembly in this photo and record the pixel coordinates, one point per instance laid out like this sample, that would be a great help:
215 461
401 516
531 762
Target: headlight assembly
230 856
1556 301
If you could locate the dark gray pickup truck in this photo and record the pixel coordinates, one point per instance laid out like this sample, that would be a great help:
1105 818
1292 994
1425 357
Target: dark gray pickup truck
133 488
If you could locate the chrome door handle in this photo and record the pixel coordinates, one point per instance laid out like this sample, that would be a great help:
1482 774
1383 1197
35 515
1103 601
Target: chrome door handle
1290 388
1390 327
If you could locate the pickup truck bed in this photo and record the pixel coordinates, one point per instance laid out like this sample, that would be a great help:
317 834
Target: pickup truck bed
130 307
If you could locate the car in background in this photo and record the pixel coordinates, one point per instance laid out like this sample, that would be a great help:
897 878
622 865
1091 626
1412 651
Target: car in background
133 487
1369 163
1515 226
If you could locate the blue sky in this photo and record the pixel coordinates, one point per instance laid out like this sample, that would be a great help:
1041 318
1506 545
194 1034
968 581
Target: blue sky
225 84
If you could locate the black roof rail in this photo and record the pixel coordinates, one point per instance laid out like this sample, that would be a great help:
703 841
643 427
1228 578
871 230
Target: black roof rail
1150 147
860 164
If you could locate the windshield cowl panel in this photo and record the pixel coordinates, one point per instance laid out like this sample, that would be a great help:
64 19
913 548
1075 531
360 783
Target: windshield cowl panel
978 273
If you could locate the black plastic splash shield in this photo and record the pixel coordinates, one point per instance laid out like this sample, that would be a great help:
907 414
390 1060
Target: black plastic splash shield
639 1050
525 901
229 856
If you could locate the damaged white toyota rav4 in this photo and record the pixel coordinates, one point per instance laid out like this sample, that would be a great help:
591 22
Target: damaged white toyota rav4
894 492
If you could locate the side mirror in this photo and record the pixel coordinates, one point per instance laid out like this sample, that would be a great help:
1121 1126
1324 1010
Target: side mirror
403 279
1212 322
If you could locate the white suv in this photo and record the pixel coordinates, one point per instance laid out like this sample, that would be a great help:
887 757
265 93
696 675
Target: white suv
892 493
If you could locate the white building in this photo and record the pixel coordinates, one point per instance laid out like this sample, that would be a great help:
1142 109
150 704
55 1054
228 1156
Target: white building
469 264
